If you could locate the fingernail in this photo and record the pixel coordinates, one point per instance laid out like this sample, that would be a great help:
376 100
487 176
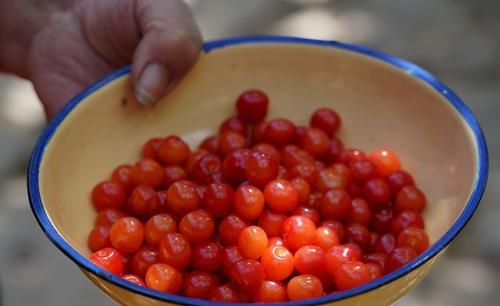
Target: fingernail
152 84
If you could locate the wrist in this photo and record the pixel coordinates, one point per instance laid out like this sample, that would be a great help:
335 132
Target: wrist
20 21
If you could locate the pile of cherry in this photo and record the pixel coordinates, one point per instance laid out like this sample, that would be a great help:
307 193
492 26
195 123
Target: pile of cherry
265 211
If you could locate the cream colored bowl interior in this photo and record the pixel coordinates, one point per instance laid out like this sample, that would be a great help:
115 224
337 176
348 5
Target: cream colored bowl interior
380 106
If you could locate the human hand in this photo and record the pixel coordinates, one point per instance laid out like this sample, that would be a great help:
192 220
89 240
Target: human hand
83 40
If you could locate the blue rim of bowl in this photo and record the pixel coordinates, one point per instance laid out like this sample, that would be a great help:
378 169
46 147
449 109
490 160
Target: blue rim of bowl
414 70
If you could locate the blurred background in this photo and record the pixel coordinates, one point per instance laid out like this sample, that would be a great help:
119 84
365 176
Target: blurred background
457 40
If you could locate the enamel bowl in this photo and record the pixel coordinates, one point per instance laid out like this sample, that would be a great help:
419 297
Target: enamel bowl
383 101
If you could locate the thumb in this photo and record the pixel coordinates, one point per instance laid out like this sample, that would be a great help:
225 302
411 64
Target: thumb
169 46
